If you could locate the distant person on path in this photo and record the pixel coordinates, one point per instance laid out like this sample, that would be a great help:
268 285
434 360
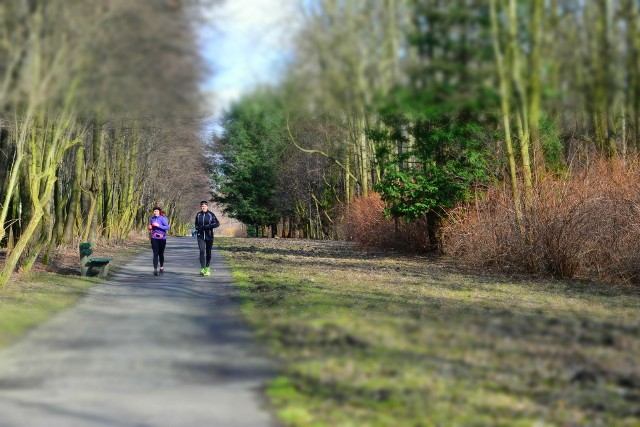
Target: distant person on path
206 221
158 227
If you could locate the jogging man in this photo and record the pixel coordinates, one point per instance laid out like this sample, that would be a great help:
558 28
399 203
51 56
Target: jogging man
205 222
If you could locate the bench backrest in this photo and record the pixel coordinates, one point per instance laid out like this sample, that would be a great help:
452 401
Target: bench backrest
85 249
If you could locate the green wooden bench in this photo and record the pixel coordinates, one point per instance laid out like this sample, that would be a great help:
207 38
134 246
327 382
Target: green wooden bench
88 266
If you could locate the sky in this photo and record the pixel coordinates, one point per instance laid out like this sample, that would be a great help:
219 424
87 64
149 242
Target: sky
247 45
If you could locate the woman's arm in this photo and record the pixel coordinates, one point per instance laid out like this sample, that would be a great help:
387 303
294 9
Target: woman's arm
164 223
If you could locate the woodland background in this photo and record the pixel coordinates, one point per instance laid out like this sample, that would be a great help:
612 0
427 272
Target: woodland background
502 132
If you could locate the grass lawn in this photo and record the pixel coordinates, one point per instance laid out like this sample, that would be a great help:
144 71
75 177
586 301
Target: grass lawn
30 299
372 339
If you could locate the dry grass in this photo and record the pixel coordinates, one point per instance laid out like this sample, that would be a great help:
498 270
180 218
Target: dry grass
382 339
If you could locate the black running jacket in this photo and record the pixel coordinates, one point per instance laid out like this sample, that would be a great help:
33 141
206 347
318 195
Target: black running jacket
205 223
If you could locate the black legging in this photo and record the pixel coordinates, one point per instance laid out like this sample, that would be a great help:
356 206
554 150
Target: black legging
205 245
158 246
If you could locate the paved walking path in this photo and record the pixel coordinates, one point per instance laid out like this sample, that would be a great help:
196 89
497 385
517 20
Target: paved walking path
140 350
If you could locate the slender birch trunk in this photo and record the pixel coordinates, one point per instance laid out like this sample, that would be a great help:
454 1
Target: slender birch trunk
522 113
505 101
535 83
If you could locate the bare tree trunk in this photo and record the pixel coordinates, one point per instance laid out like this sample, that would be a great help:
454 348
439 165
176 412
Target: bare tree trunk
74 203
21 133
93 180
363 151
44 239
535 84
59 203
633 68
14 256
505 101
522 114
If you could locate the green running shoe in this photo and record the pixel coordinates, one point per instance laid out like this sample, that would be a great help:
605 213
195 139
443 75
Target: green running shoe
207 271
202 270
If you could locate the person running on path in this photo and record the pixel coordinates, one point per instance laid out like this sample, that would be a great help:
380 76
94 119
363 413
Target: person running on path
158 227
205 222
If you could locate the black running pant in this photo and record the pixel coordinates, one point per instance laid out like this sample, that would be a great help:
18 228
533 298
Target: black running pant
205 246
158 246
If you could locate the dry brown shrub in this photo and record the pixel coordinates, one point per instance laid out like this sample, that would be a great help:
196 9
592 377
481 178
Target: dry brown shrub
366 225
584 226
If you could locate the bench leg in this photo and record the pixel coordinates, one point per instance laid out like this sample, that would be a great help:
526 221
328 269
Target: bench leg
104 271
84 267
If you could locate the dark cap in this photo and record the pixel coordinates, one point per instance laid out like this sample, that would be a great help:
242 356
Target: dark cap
204 202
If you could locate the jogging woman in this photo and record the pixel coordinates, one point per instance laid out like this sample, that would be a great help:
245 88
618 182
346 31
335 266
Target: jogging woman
158 227
205 222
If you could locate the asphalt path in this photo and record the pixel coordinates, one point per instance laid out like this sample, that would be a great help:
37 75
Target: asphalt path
140 350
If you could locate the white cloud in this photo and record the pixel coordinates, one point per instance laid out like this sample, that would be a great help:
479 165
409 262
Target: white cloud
247 43
222 98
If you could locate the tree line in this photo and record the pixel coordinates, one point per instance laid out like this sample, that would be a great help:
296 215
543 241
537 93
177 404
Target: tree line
427 103
99 121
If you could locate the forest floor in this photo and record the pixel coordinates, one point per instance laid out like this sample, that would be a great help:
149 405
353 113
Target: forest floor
384 339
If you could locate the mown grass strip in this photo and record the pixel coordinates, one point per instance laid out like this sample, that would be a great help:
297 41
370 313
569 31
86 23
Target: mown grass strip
384 340
31 299
35 299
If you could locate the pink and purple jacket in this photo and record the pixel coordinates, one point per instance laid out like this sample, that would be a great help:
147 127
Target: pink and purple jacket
159 232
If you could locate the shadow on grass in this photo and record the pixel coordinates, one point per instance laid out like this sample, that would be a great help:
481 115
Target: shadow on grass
346 255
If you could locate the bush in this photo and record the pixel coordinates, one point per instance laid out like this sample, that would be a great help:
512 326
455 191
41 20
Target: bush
584 226
366 225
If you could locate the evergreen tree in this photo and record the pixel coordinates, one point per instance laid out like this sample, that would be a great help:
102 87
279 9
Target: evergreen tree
247 159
